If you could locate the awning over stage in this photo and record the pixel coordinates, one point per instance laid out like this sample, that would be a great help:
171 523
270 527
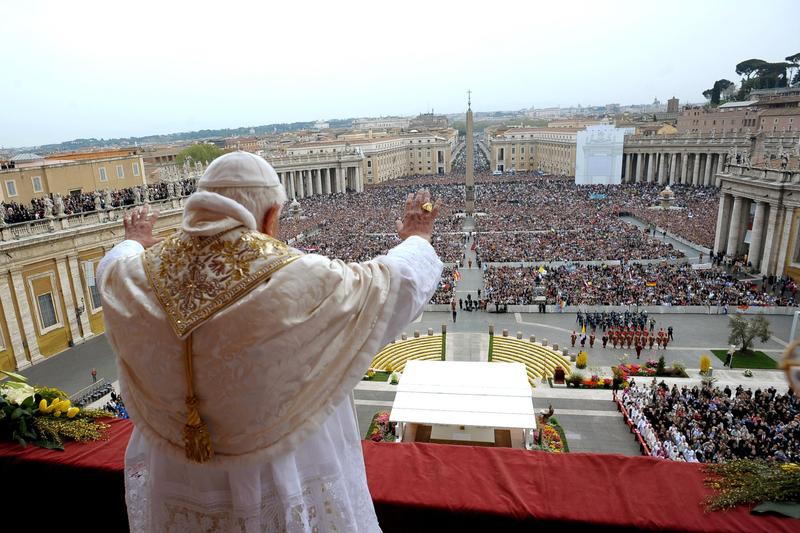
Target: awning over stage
492 395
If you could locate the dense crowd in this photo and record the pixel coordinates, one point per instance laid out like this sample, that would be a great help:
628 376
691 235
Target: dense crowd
709 425
88 202
632 283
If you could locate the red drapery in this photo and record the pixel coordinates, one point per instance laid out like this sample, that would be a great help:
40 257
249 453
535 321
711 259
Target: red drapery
415 487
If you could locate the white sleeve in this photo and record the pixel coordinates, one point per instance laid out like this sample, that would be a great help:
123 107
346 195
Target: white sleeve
417 270
124 249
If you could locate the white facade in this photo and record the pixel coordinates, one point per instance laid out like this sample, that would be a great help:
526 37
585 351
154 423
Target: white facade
598 157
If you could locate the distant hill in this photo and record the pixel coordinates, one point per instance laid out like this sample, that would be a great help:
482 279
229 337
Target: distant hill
80 144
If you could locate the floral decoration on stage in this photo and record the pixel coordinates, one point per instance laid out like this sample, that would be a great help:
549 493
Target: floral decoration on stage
380 429
771 486
44 416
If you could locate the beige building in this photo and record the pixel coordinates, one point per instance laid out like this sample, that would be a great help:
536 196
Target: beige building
575 123
550 150
381 123
390 156
759 216
35 177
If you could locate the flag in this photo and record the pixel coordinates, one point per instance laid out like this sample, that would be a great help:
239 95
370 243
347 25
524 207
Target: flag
457 275
651 283
583 329
542 270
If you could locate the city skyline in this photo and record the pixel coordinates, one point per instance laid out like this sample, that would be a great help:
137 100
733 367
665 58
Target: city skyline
110 72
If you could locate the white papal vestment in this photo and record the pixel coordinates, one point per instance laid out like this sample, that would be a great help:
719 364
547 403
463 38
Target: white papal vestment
274 370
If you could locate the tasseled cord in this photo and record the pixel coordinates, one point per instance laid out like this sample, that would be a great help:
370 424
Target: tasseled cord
196 439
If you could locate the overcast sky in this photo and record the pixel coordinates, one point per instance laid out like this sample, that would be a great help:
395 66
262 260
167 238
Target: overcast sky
112 69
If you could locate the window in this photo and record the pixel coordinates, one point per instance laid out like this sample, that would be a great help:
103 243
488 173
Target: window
11 187
47 311
88 271
103 176
120 172
37 183
136 169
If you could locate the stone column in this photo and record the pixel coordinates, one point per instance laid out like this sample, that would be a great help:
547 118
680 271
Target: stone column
341 184
650 167
80 292
735 226
783 247
301 190
317 181
720 168
28 329
673 161
696 171
639 167
69 301
684 166
754 255
708 180
14 333
723 223
768 258
326 180
662 169
628 168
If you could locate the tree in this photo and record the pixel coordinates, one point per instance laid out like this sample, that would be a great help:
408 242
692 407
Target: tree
749 67
714 93
199 152
744 331
795 61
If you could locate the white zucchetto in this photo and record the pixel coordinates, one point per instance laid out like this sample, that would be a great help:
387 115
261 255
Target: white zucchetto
239 169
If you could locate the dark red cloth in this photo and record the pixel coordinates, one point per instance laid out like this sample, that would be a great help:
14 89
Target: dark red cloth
83 486
452 488
415 487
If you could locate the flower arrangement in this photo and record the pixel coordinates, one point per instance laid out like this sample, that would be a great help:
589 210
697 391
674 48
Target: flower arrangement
44 416
651 363
632 369
748 373
583 359
705 364
748 481
394 378
551 439
380 429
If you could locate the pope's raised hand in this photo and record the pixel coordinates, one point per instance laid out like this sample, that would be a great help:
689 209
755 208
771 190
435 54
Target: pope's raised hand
139 226
419 215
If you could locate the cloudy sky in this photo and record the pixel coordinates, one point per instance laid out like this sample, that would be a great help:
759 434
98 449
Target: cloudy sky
109 69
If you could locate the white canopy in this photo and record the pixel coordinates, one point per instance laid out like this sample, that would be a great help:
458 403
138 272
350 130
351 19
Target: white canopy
492 395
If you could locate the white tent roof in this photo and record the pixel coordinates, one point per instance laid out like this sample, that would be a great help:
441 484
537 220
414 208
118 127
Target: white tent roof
492 395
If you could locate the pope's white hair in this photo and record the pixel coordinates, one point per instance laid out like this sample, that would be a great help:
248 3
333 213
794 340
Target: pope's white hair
257 200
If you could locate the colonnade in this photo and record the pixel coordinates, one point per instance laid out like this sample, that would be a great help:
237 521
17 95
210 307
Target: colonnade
755 227
698 169
318 181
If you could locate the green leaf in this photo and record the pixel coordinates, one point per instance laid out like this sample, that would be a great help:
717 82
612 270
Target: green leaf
18 412
15 377
791 509
28 403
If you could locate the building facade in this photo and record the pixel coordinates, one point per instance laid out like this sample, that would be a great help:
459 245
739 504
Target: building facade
759 216
391 156
381 123
550 150
69 175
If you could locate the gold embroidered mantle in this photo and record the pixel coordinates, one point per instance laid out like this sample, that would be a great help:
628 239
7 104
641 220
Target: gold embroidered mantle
196 277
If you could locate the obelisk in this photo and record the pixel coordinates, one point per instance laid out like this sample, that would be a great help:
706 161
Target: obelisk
469 189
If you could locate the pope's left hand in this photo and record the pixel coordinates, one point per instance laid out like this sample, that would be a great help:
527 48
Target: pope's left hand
139 226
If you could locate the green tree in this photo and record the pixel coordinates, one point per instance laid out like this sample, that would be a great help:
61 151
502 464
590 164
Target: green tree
199 152
795 61
714 93
744 332
749 67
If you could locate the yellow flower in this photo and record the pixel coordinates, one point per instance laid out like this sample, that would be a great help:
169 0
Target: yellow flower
72 411
790 467
57 414
43 405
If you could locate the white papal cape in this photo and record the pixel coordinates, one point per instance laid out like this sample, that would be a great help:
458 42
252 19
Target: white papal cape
279 341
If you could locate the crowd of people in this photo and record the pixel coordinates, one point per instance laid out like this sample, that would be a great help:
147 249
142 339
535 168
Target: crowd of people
632 284
86 202
708 425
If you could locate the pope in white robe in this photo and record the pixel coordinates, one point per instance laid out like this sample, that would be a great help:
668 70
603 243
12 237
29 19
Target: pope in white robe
237 355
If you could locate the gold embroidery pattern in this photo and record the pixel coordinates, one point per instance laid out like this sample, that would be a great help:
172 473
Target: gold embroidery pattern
194 278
